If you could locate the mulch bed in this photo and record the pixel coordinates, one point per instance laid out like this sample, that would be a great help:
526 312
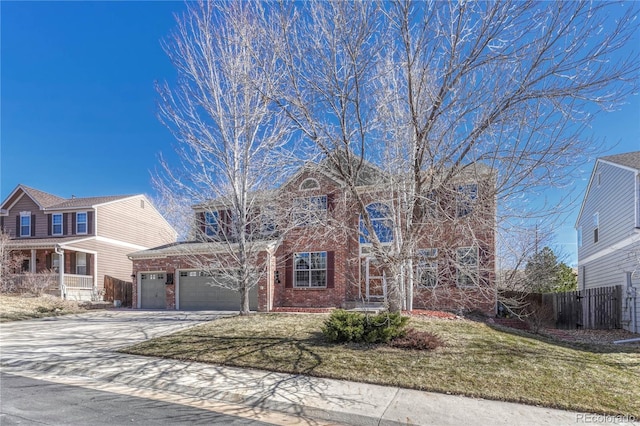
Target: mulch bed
432 314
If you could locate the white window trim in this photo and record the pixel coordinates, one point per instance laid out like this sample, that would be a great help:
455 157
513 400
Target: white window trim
61 216
596 227
81 255
475 270
86 223
316 186
28 216
310 270
214 227
580 236
308 215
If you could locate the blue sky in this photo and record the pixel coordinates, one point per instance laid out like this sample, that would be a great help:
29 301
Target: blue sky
78 104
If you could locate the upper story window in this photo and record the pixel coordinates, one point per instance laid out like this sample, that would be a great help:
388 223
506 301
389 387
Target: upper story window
467 266
56 224
427 268
381 221
309 210
267 219
596 225
310 269
309 183
211 220
25 224
81 223
465 199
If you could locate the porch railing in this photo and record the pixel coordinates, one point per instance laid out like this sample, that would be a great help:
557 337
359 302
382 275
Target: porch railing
71 281
78 282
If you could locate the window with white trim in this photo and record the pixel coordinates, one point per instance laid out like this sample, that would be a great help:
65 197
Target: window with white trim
81 223
467 266
465 199
596 225
81 263
25 224
309 210
309 183
211 223
427 268
55 262
310 269
56 224
268 217
381 219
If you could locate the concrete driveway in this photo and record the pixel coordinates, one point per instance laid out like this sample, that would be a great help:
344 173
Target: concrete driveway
79 350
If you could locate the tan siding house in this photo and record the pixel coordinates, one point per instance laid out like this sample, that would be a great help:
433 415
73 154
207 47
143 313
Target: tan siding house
81 239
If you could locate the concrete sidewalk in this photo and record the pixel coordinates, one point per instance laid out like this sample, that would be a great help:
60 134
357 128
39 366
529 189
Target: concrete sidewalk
79 351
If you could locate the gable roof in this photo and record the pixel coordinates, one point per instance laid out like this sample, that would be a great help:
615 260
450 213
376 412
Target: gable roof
74 203
46 201
629 159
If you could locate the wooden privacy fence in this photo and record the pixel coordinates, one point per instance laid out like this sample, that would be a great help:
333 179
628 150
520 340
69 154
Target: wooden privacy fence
115 289
594 308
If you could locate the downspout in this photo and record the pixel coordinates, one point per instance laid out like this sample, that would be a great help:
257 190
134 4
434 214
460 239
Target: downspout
632 294
60 252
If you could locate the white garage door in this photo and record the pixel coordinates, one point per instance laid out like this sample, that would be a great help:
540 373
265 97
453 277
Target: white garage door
152 292
195 293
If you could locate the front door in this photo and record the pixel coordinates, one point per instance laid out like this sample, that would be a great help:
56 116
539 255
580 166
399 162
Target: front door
372 278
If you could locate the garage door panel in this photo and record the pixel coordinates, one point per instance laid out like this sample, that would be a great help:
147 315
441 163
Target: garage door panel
198 293
152 291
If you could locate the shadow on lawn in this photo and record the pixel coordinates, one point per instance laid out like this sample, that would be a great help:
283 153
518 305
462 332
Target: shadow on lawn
297 355
579 346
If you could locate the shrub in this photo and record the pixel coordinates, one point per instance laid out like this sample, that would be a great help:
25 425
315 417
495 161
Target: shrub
419 340
344 326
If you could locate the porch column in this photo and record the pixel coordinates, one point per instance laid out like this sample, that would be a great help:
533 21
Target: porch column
60 253
32 264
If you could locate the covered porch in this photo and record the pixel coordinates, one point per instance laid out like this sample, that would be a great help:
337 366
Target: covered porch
55 268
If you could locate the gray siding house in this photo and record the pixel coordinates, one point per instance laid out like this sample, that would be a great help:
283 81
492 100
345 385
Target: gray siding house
608 227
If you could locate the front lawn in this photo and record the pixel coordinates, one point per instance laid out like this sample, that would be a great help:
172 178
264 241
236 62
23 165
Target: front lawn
15 307
476 360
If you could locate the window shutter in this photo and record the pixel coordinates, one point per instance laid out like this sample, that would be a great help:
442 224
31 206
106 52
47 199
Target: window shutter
33 225
2 223
288 272
89 259
89 226
330 269
72 262
49 261
18 226
49 219
201 225
73 224
65 224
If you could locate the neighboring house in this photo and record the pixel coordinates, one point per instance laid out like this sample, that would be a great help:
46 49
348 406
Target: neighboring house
312 266
608 228
82 239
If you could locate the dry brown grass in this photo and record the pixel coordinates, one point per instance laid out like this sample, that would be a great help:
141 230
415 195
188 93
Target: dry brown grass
476 360
21 307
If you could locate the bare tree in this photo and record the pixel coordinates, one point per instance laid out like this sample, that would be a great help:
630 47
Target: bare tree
10 264
438 94
230 137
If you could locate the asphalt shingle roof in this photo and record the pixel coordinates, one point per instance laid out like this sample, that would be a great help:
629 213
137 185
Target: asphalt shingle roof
628 159
43 198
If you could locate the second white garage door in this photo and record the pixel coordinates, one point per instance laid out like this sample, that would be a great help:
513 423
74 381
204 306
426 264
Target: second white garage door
195 293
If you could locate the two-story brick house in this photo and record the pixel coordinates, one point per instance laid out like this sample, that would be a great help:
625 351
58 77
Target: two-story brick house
608 227
82 239
324 260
